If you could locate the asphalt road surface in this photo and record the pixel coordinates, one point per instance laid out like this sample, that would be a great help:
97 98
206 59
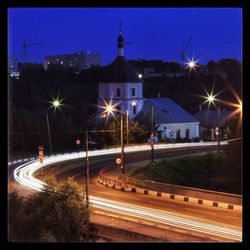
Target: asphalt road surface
217 223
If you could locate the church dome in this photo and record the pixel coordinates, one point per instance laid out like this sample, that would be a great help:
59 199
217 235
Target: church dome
120 38
120 71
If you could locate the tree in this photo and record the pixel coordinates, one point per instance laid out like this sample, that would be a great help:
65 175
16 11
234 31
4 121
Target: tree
58 213
140 128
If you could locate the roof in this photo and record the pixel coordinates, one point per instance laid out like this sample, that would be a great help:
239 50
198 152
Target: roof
166 111
119 71
210 117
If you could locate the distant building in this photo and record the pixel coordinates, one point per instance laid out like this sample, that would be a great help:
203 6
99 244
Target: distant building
122 87
13 67
157 68
150 72
78 60
209 120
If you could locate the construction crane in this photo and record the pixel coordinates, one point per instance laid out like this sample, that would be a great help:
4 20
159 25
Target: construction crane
25 46
184 49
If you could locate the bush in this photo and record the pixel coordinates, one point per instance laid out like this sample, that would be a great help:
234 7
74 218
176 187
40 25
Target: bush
195 139
55 214
187 139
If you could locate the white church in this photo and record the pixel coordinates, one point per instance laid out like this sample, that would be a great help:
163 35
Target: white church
122 86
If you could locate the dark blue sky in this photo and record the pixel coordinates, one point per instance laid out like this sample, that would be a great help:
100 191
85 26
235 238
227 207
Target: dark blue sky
155 33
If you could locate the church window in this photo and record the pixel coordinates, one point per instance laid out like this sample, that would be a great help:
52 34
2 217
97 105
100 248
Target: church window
118 92
133 91
178 133
134 109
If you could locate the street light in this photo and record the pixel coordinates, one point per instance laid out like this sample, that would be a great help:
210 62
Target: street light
210 98
55 103
89 122
191 64
140 76
87 166
152 135
109 109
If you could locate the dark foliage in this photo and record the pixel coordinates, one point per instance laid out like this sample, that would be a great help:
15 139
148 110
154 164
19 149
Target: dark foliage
57 214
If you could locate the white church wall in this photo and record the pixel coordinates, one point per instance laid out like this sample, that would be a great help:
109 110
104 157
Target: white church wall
126 100
108 90
168 128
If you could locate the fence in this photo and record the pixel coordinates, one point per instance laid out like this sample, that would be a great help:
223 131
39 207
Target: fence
184 191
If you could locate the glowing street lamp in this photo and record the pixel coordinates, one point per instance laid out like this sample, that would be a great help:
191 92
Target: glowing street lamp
191 64
55 103
109 109
140 76
210 98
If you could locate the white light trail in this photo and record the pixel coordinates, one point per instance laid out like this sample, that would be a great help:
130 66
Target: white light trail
24 175
165 218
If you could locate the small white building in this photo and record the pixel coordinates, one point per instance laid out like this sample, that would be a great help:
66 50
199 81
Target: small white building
171 118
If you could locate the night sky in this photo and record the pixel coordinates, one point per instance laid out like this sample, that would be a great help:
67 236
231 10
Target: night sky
155 33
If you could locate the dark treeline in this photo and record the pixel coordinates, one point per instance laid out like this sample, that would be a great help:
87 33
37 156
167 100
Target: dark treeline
31 94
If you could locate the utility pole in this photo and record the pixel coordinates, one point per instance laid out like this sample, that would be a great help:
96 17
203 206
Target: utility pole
87 168
122 147
87 174
127 126
219 132
47 119
152 120
152 135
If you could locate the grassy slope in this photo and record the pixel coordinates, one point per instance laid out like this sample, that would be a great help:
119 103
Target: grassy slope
211 171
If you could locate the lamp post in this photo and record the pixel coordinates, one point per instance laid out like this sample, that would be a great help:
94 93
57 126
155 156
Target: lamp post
47 120
218 123
109 109
55 104
87 167
87 131
152 135
127 128
122 146
211 99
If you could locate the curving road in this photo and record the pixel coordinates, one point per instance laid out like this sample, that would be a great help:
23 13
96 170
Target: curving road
216 223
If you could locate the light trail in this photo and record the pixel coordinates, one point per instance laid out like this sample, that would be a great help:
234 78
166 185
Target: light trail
165 218
24 175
